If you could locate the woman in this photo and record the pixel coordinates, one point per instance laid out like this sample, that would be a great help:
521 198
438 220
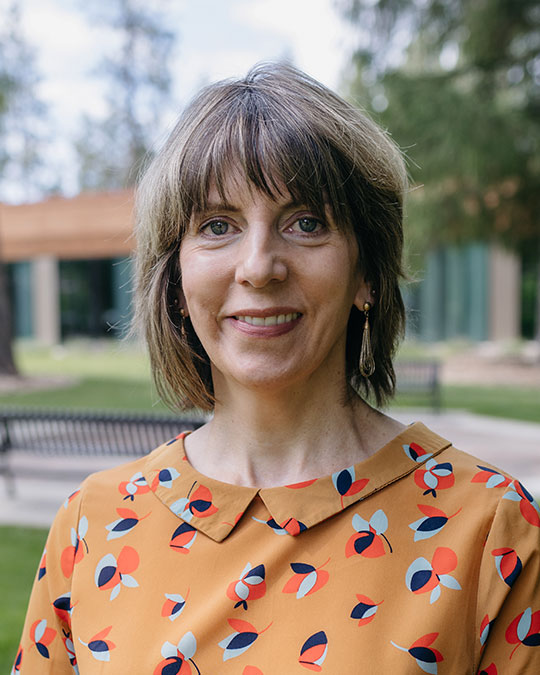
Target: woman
300 528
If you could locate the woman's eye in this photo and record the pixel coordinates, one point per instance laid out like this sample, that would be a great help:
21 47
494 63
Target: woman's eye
216 227
307 225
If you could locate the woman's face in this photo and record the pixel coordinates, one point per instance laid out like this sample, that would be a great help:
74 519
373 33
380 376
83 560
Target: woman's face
269 286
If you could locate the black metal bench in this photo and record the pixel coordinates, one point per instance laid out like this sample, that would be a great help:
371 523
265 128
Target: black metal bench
68 432
421 377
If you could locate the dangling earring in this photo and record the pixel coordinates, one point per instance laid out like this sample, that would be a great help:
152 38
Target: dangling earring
183 316
366 362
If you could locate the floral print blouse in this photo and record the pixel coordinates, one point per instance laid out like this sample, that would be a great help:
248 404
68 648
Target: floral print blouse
419 559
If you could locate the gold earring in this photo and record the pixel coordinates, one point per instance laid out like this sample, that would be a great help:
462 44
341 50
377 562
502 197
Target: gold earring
183 316
366 362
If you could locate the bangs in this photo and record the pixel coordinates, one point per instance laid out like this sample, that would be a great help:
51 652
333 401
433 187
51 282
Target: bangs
256 137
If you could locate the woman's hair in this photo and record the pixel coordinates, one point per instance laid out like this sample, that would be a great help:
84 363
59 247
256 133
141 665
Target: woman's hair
276 127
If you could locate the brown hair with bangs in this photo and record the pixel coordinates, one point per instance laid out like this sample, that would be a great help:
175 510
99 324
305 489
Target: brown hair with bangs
276 127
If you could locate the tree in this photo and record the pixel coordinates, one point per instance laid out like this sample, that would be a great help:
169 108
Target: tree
21 115
458 83
111 149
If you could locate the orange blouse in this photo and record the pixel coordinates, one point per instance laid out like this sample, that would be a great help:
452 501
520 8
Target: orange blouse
419 559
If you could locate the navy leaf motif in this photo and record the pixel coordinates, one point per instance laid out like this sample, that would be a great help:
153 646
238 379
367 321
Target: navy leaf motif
315 639
364 540
432 523
302 568
106 574
423 654
200 505
98 646
360 609
125 524
242 640
420 579
42 649
532 640
343 482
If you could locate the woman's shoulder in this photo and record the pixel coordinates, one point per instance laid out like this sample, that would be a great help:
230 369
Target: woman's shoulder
123 482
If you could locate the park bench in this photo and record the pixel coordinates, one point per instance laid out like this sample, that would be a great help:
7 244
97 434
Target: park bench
69 432
419 377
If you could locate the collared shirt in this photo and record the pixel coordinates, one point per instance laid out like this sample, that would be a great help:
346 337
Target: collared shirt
418 559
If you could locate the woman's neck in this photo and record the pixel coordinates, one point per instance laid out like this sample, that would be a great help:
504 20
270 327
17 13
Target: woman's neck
272 438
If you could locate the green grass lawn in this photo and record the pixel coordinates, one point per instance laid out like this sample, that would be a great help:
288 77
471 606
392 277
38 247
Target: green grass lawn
112 375
106 376
510 402
20 553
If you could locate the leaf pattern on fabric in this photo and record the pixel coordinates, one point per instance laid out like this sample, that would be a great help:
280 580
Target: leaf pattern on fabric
416 452
173 606
241 640
127 521
178 659
306 579
74 553
112 573
183 538
491 478
524 630
508 564
364 612
313 652
136 485
434 476
529 509
42 637
425 656
346 484
250 586
368 540
432 523
428 577
99 647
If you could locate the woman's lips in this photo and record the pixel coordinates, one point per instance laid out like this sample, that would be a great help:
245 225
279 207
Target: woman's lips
272 320
271 325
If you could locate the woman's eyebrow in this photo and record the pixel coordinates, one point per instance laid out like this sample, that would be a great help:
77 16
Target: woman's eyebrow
216 206
211 207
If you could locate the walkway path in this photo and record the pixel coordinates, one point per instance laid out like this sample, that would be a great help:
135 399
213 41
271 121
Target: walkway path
42 483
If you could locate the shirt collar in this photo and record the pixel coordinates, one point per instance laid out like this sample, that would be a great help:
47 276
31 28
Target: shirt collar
215 508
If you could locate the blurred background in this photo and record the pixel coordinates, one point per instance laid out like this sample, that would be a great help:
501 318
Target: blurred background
89 89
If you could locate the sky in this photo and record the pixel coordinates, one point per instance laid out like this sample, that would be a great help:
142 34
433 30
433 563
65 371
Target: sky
216 39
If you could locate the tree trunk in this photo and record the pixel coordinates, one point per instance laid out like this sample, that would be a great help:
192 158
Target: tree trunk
537 317
7 362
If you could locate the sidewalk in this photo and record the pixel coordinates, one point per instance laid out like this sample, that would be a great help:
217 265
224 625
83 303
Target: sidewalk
42 483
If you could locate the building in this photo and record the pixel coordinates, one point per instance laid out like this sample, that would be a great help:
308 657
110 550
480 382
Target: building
68 265
70 274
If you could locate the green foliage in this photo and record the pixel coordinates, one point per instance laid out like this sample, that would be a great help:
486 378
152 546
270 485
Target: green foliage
111 149
20 553
22 113
462 97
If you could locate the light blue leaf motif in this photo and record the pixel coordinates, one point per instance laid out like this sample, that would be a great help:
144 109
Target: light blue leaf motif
359 524
494 480
379 521
435 594
449 582
524 624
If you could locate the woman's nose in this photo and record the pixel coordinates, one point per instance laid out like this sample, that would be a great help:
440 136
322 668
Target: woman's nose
260 259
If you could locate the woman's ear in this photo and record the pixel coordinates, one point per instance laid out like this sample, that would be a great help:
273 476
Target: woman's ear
182 304
364 294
